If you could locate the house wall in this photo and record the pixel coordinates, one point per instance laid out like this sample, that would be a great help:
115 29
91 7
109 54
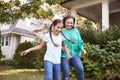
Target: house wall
15 42
25 38
115 18
8 51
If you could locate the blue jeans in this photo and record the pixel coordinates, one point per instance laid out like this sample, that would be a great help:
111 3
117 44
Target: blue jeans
52 71
76 63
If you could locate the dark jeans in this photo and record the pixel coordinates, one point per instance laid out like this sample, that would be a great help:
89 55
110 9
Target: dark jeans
76 63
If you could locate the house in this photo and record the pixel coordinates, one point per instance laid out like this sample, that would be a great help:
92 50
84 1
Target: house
11 37
103 12
21 31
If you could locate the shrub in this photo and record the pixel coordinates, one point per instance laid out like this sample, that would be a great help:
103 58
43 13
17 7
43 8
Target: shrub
7 62
40 58
0 53
88 35
101 64
113 46
93 36
27 61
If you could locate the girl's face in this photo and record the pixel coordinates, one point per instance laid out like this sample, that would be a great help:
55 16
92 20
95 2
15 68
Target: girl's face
69 23
57 28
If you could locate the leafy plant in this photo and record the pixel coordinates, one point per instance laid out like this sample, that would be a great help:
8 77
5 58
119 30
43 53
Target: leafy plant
100 63
93 36
0 53
27 61
40 58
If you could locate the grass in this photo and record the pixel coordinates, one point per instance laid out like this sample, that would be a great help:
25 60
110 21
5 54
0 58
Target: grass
10 73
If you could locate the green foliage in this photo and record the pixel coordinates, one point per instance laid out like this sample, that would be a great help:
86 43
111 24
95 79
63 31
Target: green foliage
113 46
102 64
88 35
93 36
40 58
0 47
0 53
51 2
27 61
6 62
15 9
40 55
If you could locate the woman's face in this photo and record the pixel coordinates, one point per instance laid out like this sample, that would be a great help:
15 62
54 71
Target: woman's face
58 28
69 23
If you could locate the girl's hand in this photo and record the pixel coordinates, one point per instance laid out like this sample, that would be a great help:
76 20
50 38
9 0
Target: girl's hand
24 52
68 57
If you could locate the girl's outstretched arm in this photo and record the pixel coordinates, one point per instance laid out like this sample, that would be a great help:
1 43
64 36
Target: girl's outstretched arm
33 48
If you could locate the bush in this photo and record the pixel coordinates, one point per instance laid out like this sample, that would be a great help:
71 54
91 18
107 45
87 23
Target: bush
88 35
113 46
102 64
7 62
27 61
93 36
0 53
40 58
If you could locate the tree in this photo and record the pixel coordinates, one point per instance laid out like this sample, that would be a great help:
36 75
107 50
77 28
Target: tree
0 47
15 9
60 10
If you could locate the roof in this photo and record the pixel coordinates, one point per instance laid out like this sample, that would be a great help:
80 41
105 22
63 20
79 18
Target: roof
18 31
92 9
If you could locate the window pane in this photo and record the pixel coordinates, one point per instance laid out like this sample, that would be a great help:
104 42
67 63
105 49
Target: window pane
2 41
6 41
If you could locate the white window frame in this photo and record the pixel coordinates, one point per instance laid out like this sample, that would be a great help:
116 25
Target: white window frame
5 41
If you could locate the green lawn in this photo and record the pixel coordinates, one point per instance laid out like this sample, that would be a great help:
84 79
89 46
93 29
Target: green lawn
9 73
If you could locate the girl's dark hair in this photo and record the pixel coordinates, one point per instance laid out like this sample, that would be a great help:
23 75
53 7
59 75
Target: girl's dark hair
67 17
67 38
55 22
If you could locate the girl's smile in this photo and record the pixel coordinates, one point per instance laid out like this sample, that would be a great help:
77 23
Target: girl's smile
69 23
57 28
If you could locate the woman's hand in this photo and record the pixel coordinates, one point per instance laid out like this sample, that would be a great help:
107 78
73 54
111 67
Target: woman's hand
24 52
84 51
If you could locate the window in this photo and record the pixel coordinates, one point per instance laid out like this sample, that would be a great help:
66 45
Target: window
2 41
5 41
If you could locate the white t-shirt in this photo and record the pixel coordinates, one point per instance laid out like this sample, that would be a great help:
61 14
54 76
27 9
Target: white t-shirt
53 53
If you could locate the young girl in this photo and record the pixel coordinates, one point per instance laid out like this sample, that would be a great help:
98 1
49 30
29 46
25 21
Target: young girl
52 58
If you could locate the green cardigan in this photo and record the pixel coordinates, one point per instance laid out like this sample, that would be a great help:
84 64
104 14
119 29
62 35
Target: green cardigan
76 48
